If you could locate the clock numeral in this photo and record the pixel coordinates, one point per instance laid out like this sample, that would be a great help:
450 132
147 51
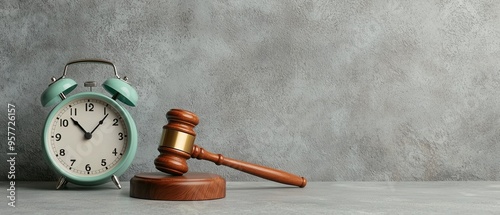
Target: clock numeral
114 152
115 122
62 152
72 112
103 162
63 122
72 161
89 107
87 167
120 136
104 110
58 137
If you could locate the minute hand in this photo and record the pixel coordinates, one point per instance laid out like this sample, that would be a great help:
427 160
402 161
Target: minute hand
100 123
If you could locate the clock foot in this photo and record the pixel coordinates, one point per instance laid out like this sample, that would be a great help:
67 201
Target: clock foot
115 180
61 183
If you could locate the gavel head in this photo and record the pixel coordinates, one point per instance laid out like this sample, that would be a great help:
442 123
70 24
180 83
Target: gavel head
176 142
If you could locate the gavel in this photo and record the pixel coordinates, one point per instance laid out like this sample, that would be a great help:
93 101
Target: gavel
177 146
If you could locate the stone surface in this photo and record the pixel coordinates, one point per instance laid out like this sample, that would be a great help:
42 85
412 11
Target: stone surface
270 198
331 90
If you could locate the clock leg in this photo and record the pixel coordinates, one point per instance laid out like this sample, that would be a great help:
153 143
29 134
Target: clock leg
61 183
115 180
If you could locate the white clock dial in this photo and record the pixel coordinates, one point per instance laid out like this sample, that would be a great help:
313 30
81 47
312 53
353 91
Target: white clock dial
88 137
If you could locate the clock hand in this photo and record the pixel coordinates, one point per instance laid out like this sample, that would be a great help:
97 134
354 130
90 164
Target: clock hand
87 134
100 123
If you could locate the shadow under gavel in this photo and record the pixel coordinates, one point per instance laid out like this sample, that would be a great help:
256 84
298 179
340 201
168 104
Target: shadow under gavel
177 146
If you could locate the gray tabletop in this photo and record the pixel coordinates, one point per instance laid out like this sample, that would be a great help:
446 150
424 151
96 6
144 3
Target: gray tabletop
268 198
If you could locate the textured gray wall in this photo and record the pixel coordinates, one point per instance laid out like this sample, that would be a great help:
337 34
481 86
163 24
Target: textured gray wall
331 90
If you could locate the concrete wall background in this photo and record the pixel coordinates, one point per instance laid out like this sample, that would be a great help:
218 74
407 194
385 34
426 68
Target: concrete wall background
331 90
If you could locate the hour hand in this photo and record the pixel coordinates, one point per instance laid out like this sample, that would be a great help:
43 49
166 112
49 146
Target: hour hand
78 124
87 134
100 123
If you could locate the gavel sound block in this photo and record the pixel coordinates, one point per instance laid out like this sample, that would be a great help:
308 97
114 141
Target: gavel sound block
176 146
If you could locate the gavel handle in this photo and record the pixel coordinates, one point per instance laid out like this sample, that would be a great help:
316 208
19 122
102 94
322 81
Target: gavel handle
254 169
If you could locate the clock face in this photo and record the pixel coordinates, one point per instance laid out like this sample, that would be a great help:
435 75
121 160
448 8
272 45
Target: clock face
87 137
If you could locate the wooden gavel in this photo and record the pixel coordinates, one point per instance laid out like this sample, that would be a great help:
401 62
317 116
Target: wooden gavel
177 145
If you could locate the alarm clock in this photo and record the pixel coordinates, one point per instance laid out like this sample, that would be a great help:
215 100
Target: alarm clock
89 138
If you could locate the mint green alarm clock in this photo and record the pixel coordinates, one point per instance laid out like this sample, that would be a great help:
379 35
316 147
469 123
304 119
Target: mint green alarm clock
89 138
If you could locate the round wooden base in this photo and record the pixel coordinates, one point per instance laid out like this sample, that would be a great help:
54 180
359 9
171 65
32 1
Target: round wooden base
188 187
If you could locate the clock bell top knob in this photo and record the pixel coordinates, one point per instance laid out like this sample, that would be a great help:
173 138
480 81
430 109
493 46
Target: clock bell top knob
90 84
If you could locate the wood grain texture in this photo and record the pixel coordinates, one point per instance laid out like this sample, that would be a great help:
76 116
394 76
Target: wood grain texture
188 187
172 160
254 169
182 120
